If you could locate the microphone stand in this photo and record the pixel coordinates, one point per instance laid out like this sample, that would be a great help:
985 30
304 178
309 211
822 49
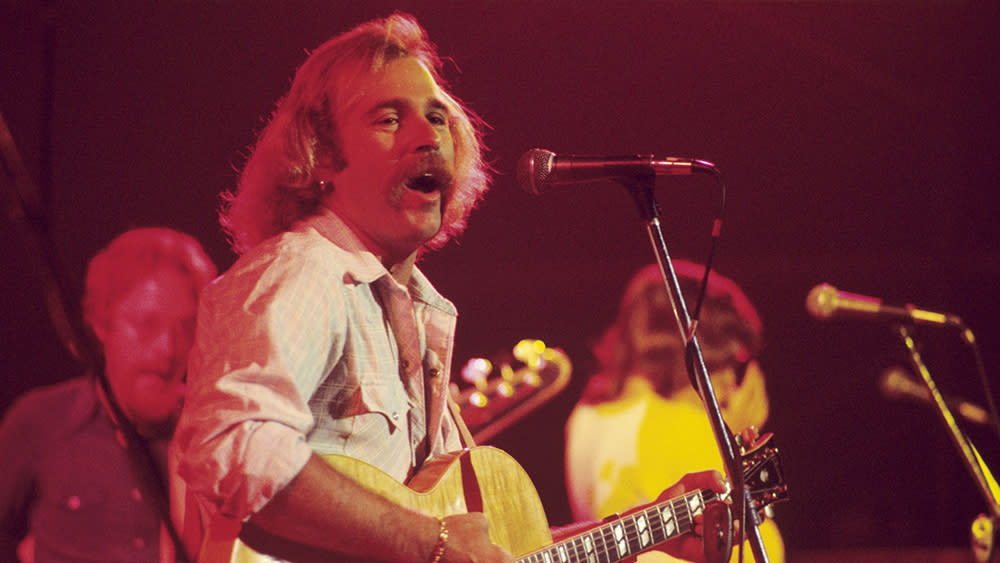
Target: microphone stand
641 188
974 462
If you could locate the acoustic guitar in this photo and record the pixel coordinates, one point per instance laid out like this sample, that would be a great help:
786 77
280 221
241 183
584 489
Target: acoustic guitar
486 479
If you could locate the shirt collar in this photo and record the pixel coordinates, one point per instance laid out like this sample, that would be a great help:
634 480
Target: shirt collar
363 266
359 262
422 290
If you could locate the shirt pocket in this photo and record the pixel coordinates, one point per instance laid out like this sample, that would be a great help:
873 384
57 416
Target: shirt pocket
94 510
75 500
358 404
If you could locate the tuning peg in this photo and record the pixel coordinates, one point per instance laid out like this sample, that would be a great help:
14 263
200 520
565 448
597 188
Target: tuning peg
748 437
505 387
531 352
475 372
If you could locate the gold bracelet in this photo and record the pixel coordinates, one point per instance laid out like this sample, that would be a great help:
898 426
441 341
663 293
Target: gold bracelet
442 542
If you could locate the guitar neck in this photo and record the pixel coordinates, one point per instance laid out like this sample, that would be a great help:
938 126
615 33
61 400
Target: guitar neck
628 535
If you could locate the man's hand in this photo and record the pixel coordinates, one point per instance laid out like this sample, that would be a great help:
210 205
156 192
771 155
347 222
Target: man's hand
469 540
689 546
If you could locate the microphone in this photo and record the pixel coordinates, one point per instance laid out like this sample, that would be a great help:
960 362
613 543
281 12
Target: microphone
827 302
896 383
539 169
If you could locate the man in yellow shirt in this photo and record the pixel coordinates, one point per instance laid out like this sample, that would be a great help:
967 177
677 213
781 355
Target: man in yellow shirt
640 424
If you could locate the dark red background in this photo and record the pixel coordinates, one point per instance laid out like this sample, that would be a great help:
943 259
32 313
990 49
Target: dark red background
858 140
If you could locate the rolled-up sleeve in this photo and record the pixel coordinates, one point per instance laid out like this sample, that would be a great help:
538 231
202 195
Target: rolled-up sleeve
267 333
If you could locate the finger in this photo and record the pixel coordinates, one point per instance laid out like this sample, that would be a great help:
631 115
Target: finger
710 479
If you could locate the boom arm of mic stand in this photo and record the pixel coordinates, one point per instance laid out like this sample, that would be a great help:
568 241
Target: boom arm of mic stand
641 189
975 464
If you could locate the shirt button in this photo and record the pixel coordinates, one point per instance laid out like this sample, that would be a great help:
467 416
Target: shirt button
139 543
73 503
395 416
136 495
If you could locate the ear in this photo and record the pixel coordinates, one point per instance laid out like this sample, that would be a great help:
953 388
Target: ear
329 158
324 161
328 164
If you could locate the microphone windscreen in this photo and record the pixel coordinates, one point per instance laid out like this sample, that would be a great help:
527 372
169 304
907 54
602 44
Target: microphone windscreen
822 301
533 170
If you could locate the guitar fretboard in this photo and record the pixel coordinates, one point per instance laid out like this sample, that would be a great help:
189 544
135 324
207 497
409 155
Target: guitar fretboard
629 534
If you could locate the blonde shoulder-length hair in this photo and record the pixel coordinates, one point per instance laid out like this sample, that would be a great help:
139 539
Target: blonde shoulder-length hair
277 186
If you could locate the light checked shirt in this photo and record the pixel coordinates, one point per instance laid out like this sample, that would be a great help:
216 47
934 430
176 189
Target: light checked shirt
295 353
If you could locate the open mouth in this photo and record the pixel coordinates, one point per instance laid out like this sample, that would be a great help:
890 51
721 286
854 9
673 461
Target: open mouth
427 183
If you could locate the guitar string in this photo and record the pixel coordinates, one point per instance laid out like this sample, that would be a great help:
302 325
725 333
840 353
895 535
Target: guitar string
681 513
578 544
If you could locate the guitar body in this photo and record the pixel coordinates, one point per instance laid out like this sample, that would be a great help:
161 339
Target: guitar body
480 479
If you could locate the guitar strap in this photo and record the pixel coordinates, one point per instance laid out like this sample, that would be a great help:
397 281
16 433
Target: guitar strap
467 440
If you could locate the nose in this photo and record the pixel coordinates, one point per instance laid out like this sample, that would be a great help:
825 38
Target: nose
427 135
170 345
164 343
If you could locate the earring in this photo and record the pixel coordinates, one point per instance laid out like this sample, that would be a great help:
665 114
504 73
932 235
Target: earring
325 187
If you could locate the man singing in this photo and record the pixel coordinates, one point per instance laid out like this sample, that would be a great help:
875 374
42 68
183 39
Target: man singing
324 337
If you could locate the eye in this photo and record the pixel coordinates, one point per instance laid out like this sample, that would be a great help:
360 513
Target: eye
388 120
438 118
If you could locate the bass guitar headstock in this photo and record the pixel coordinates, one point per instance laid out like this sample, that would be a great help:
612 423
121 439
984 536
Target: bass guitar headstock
499 395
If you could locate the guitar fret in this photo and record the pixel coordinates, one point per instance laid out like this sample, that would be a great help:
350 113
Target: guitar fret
573 550
667 520
650 536
600 541
641 531
645 535
597 550
628 535
682 509
610 543
591 553
695 505
587 549
619 539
